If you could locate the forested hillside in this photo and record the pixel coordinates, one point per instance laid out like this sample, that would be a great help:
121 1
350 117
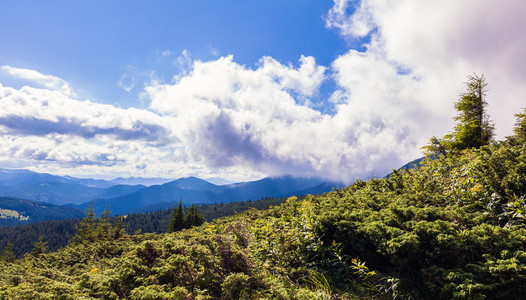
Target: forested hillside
14 211
57 233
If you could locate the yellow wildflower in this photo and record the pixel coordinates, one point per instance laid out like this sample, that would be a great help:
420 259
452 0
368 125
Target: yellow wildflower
476 188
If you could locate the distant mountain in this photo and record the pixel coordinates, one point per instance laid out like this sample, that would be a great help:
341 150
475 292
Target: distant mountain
54 189
119 190
194 190
139 181
14 211
98 183
219 181
188 190
193 184
414 164
18 177
53 192
123 198
318 189
269 187
63 193
10 177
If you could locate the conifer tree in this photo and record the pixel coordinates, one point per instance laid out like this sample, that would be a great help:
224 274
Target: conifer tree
198 218
193 218
520 126
39 247
8 254
104 228
119 230
86 229
178 221
473 129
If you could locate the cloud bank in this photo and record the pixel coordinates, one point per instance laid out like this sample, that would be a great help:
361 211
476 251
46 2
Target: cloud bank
49 130
221 118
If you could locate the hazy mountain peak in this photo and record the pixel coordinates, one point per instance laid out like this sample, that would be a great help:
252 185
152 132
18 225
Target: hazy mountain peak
140 180
192 183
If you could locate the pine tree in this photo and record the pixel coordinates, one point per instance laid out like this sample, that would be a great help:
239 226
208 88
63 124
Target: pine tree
520 126
86 229
120 227
104 227
8 255
178 221
193 218
473 129
39 247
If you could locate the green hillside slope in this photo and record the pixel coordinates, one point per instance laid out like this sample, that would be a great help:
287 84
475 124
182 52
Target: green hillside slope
14 211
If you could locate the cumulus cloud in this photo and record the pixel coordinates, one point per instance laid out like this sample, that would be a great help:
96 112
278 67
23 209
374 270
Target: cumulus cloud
48 130
66 154
440 43
231 115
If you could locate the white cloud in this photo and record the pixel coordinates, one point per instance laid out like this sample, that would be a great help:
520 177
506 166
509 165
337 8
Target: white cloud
440 43
213 51
41 112
48 130
231 115
184 60
127 81
358 24
48 81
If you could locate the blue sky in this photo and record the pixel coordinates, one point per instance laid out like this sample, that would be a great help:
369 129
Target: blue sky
240 90
95 44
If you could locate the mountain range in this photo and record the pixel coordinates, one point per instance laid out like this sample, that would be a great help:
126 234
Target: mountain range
124 198
192 190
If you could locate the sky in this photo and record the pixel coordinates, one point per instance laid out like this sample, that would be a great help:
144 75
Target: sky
242 90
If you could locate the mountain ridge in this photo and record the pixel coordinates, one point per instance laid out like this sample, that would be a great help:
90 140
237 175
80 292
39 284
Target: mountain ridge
192 190
123 199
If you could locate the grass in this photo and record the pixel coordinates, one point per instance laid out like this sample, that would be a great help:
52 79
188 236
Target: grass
12 214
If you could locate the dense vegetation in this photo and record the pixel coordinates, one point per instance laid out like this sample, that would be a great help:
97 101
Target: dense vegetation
453 228
57 233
